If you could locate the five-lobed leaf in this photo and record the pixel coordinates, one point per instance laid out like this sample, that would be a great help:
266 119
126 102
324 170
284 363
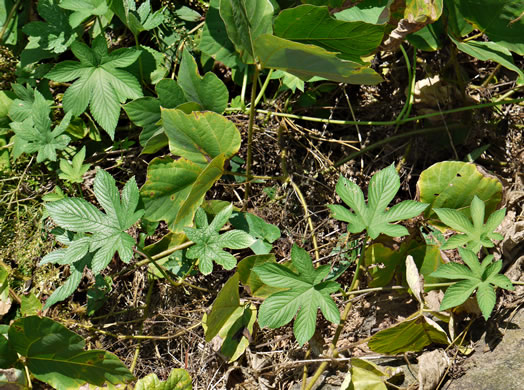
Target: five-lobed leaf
474 275
209 244
374 217
99 83
305 294
476 233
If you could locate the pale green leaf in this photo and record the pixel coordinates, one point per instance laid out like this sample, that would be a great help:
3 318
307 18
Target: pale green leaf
236 239
100 84
208 91
486 299
478 234
305 294
457 293
178 379
307 61
374 217
226 302
200 136
407 336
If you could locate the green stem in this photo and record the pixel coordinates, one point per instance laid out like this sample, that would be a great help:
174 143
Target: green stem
8 19
388 123
244 87
249 159
388 140
307 216
165 274
146 312
333 352
406 110
263 88
140 67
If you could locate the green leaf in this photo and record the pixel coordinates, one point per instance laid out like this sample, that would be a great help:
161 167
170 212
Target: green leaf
365 375
175 189
226 302
453 184
8 357
256 227
475 276
236 333
374 217
250 279
76 271
209 244
408 336
55 35
500 20
368 11
4 284
215 42
30 305
352 40
245 21
178 379
74 172
305 294
489 51
34 134
56 356
200 136
107 231
486 299
384 263
457 293
84 9
208 91
307 61
28 100
477 234
138 20
99 83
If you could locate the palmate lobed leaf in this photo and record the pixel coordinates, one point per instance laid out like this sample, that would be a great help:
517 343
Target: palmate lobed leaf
480 276
74 171
106 231
374 217
99 84
209 244
476 233
34 133
305 294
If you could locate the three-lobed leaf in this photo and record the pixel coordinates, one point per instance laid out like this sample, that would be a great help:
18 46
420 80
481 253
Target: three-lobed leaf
99 83
373 216
73 172
477 234
305 293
